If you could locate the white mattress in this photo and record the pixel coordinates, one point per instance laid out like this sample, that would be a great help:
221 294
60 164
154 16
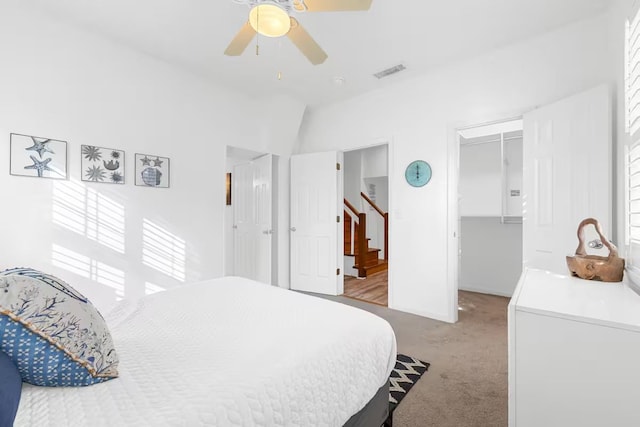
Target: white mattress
228 352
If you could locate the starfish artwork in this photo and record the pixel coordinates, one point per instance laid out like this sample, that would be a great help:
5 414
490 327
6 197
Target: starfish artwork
100 164
91 153
146 161
37 156
39 166
95 173
40 147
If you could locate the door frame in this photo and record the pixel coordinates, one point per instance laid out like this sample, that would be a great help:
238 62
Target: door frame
377 142
453 209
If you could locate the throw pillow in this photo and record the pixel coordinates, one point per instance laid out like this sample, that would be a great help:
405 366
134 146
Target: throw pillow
10 390
52 333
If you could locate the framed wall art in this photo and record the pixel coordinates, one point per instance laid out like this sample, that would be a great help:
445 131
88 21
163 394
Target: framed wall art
100 164
37 157
152 171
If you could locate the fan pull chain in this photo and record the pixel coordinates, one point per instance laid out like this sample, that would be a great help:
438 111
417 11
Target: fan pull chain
257 32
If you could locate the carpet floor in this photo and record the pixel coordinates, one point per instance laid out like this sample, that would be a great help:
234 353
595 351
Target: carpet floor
466 385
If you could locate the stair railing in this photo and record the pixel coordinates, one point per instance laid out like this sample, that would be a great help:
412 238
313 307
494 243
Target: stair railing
385 217
360 237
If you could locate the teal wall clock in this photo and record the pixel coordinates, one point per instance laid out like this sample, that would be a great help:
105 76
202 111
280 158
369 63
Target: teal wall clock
418 173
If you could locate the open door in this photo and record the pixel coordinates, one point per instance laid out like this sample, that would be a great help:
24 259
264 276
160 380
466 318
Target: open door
253 230
566 177
316 223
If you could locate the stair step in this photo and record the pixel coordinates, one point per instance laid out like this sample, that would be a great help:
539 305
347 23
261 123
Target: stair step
371 257
370 250
381 265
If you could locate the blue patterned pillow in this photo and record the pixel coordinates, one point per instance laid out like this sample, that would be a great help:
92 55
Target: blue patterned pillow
53 334
10 390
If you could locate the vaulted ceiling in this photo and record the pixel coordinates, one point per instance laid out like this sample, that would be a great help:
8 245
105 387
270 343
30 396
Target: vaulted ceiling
421 34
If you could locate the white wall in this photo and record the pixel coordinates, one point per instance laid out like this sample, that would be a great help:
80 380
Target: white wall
353 178
490 250
64 83
480 184
375 221
419 117
490 255
480 180
375 161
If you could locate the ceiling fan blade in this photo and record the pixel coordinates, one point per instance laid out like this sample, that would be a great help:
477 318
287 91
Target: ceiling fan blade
305 43
336 5
241 40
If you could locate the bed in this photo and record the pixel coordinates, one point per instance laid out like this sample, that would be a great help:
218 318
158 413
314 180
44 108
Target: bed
231 352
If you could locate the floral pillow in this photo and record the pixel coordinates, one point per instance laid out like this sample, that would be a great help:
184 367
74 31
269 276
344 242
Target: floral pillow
52 333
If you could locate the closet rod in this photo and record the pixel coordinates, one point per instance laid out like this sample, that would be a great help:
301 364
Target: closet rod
464 144
494 122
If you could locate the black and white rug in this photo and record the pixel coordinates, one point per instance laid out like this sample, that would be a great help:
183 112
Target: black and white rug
405 374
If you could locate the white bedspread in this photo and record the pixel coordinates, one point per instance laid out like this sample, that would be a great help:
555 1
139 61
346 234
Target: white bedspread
228 352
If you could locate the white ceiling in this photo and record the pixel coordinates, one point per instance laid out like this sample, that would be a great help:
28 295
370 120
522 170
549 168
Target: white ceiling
422 34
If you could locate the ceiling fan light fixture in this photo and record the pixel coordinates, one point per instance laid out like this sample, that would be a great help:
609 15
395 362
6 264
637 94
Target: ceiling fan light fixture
269 20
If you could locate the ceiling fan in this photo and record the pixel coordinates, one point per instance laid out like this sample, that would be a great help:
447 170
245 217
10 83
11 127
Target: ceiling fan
272 18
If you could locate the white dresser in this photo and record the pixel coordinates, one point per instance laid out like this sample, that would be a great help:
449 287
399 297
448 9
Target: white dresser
574 353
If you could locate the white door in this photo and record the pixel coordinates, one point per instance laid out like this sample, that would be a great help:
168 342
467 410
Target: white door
243 249
262 202
566 176
316 223
252 213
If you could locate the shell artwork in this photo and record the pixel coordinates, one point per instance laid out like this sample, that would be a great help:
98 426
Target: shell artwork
111 165
152 171
151 176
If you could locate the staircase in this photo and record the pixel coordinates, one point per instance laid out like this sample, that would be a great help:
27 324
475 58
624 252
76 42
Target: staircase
356 243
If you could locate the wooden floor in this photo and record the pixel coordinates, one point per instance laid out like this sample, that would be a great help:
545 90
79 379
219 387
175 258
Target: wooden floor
373 289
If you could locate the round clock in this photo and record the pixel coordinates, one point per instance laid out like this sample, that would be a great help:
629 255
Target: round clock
418 173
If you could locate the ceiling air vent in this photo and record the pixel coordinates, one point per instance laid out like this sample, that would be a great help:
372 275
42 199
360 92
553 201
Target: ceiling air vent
389 71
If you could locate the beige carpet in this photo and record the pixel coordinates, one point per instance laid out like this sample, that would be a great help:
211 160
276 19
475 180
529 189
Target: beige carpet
466 384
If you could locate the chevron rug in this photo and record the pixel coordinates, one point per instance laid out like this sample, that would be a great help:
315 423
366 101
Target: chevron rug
406 373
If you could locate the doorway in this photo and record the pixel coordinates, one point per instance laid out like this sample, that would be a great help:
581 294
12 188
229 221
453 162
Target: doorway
366 224
566 178
250 215
490 207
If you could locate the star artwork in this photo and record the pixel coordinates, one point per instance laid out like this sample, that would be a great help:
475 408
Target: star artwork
39 166
102 165
40 147
38 157
152 171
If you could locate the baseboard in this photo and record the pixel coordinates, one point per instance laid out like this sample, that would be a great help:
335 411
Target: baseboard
430 315
485 290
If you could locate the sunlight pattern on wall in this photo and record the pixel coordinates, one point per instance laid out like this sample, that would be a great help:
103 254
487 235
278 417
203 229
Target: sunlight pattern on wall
89 268
163 251
91 214
150 288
